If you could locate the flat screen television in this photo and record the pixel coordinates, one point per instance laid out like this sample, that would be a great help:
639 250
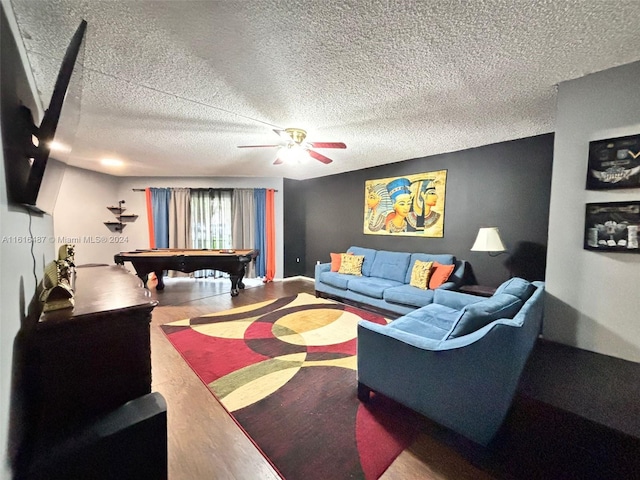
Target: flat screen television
27 147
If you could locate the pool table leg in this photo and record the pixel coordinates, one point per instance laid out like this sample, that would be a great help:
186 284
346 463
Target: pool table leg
160 285
236 283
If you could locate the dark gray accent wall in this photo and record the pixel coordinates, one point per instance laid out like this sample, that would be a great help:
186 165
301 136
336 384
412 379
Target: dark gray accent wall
294 227
505 185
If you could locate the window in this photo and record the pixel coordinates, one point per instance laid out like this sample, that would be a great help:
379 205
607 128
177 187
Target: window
210 221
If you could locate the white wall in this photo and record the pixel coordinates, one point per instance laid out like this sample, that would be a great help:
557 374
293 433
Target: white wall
17 280
593 298
17 289
81 211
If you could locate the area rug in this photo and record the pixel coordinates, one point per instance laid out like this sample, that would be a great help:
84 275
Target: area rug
285 370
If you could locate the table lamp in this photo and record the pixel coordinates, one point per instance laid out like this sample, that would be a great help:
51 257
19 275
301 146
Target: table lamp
488 240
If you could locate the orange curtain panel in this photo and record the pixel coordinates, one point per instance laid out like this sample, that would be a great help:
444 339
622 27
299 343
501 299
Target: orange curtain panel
271 236
152 237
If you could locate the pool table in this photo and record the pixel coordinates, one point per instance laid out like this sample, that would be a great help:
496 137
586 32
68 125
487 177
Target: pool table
233 262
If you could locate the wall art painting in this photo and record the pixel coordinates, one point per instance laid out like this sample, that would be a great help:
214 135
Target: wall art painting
411 205
612 227
614 163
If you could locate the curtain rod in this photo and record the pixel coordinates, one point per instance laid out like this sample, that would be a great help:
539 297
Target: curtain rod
197 188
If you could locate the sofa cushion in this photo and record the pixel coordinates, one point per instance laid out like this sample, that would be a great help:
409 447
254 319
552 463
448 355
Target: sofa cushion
442 258
335 279
420 274
369 257
391 265
408 295
519 287
440 274
351 264
433 321
477 315
371 286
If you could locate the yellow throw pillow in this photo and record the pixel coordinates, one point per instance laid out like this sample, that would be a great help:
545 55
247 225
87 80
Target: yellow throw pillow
351 264
420 274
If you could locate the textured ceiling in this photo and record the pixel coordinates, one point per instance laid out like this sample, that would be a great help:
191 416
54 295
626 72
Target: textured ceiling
173 87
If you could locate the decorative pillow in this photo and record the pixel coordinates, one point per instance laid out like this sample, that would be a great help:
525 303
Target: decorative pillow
420 274
336 260
519 287
351 264
440 274
477 315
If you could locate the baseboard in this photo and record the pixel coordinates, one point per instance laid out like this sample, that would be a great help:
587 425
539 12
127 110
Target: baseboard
299 277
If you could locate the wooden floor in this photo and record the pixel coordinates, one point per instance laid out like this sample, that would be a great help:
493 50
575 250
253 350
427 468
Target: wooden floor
203 440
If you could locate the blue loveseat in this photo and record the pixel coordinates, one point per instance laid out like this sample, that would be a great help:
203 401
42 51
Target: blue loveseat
385 280
457 360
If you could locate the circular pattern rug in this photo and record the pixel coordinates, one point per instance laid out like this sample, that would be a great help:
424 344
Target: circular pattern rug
285 370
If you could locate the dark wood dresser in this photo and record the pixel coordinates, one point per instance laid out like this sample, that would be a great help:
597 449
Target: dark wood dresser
86 361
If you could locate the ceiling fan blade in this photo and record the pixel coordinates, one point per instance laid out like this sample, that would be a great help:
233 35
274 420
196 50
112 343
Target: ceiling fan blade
327 145
319 156
257 146
278 161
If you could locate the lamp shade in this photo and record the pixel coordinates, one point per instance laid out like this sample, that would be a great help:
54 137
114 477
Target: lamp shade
488 240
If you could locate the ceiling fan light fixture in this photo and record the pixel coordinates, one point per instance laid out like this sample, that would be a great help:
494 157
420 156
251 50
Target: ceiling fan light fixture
296 149
292 153
297 134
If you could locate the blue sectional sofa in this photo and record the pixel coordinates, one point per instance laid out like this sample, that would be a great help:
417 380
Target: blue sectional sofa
457 360
385 280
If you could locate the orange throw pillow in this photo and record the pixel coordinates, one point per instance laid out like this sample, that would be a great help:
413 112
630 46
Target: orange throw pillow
335 261
440 274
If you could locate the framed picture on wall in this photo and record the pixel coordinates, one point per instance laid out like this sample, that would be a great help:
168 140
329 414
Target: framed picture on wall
614 163
411 205
612 227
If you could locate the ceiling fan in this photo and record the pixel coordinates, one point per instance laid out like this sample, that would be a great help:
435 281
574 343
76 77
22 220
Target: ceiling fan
295 144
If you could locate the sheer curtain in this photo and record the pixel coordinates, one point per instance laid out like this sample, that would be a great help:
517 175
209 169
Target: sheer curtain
210 222
179 222
244 224
180 218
